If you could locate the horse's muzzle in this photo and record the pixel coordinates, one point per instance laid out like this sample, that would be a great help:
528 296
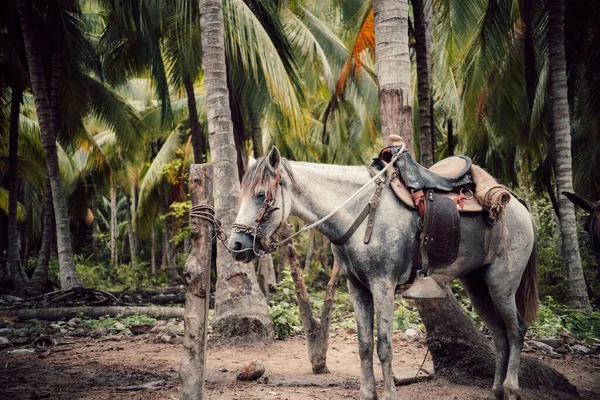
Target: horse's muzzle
240 247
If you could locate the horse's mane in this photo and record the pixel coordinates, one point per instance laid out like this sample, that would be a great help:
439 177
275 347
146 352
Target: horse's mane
260 175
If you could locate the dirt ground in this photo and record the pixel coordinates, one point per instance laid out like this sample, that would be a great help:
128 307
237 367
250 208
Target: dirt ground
115 367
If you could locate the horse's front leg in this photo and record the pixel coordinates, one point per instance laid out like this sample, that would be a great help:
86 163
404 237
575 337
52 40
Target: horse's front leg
363 312
383 295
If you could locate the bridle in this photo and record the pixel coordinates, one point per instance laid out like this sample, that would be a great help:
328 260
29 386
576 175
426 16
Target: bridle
264 212
267 208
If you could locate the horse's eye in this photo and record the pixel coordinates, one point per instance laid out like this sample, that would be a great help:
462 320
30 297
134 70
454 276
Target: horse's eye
261 194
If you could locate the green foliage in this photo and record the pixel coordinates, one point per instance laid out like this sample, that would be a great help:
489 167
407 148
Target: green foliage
283 307
555 318
285 317
551 267
406 315
125 277
180 211
111 323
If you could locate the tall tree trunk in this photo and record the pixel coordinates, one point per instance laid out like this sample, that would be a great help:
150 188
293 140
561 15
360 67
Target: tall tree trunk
152 249
163 255
131 234
19 278
576 290
527 12
114 231
95 231
423 49
198 140
241 309
68 273
134 203
393 69
39 279
170 264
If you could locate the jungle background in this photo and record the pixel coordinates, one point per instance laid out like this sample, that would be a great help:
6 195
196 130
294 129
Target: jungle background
126 99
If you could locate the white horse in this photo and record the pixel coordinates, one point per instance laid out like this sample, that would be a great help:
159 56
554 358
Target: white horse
498 258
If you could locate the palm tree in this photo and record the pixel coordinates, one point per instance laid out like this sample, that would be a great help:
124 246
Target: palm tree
240 307
393 69
19 278
577 292
68 274
422 21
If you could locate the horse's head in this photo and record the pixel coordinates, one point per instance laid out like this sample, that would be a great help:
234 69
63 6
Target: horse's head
592 225
264 205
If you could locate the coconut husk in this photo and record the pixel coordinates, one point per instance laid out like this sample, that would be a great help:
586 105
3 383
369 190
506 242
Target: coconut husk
493 196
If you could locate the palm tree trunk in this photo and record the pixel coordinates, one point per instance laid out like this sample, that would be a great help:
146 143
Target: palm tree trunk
576 289
95 230
423 49
163 258
131 234
170 258
39 278
198 141
241 309
114 260
19 278
393 69
152 249
68 273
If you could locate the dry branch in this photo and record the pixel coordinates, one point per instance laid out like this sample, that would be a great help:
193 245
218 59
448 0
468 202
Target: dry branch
317 333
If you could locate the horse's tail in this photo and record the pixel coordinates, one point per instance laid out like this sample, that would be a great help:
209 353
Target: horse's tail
527 293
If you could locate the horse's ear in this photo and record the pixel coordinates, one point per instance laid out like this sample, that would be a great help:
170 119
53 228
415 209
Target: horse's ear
251 161
580 202
274 158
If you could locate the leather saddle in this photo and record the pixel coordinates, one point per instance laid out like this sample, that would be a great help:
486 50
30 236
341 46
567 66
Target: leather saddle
446 175
439 193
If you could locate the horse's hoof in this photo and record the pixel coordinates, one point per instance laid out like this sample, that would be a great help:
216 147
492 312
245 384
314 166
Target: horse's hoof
368 395
390 396
511 393
497 394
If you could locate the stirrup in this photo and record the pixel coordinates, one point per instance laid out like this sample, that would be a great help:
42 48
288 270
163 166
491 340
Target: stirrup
424 287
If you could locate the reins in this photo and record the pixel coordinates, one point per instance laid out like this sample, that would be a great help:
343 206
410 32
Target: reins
207 212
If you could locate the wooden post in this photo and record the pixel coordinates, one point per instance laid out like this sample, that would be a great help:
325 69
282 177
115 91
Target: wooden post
197 294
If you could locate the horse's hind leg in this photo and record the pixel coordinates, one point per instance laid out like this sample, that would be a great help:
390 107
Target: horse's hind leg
477 290
503 278
363 312
383 294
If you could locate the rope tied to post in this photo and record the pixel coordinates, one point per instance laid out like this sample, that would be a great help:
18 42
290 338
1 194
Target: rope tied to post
207 213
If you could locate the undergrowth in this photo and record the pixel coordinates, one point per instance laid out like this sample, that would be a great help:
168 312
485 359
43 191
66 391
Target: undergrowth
117 323
553 318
